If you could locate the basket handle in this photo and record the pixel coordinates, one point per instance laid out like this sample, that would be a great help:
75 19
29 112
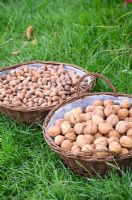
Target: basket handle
96 75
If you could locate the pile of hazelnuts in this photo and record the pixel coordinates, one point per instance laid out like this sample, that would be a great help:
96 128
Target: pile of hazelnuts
30 86
103 128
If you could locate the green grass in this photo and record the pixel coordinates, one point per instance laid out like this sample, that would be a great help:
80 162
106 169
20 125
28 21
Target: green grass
95 34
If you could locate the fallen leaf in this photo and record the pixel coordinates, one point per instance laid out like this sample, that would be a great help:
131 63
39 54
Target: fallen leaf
16 52
34 42
29 32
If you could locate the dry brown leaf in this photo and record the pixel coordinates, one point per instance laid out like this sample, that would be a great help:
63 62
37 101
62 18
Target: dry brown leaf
16 52
29 32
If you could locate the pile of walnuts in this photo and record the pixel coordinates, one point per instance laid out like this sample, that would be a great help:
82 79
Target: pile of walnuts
103 128
28 86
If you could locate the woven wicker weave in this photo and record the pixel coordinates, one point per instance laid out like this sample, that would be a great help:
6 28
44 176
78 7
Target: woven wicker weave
84 164
31 115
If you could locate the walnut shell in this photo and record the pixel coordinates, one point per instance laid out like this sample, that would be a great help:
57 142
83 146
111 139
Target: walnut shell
105 128
89 137
97 119
125 104
101 151
82 140
90 108
75 118
109 110
112 119
87 148
114 133
79 128
91 128
129 133
54 131
122 127
97 135
66 127
75 150
112 139
108 102
98 103
115 147
70 136
126 141
59 122
101 141
122 113
66 145
98 112
124 151
59 139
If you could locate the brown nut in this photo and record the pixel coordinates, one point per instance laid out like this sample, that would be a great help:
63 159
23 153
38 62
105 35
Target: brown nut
98 103
89 137
81 140
126 141
125 104
129 133
59 139
87 148
112 119
66 145
98 112
101 141
90 108
97 135
97 119
117 107
114 133
112 139
101 151
122 113
105 128
54 131
124 151
75 150
58 122
108 102
115 147
109 110
66 127
70 136
122 127
75 118
91 128
79 128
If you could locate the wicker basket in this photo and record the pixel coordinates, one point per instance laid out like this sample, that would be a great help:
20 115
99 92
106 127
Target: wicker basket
84 164
31 115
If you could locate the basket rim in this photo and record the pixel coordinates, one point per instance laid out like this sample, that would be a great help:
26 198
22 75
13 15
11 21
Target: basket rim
82 155
39 108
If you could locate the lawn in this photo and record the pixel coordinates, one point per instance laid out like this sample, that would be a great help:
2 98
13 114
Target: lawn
93 34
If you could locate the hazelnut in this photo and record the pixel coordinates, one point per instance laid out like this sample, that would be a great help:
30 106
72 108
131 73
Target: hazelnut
98 103
114 133
125 104
91 128
112 119
54 131
122 113
87 148
129 133
70 136
122 127
97 119
105 128
126 141
66 127
101 141
115 147
79 128
75 150
66 145
59 139
112 139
